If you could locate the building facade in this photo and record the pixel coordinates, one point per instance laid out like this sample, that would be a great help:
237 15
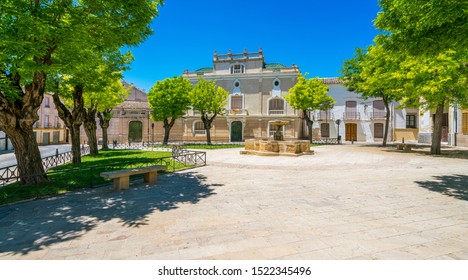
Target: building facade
49 129
256 91
130 120
256 98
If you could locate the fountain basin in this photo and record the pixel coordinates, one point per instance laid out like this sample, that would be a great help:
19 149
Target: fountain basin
268 147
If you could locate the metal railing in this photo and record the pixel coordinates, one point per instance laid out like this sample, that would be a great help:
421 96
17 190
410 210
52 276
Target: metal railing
275 112
10 174
378 115
351 116
182 156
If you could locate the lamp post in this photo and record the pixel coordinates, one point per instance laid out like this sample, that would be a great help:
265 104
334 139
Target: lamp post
152 132
338 121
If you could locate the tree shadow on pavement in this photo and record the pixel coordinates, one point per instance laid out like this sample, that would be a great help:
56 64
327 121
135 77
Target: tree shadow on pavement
32 225
452 185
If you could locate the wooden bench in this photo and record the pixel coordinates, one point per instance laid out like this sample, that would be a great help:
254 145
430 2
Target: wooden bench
405 147
122 177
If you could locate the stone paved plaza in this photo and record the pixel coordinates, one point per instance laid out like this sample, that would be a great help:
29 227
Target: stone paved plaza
344 202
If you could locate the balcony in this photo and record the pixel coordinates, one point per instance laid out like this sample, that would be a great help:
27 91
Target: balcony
377 115
351 116
276 112
238 112
324 116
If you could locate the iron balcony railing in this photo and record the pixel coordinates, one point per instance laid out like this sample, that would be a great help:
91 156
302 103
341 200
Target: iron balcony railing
351 116
276 112
377 115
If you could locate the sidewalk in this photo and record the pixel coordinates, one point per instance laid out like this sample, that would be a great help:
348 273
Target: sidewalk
9 159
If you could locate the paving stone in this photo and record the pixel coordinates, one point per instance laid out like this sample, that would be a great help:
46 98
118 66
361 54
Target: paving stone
344 202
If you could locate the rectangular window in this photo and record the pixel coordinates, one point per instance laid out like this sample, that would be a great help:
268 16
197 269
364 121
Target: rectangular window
236 102
378 130
47 102
465 122
199 128
325 129
351 110
46 121
410 121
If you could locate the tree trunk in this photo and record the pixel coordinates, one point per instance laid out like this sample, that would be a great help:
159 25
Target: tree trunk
387 121
73 119
309 124
437 133
28 156
90 128
207 121
75 141
16 120
104 122
167 129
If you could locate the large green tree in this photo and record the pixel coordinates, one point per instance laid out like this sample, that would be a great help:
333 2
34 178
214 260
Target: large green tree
32 33
432 83
424 26
308 95
169 99
210 100
370 73
432 36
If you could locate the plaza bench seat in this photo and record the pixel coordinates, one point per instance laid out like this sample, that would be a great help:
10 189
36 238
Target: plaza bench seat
122 177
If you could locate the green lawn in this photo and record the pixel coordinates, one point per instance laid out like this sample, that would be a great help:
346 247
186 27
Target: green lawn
68 177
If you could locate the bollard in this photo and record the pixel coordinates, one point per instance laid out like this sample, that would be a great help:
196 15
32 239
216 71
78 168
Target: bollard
403 140
56 152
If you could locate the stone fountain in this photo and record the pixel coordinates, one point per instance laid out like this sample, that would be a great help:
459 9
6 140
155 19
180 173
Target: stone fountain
278 146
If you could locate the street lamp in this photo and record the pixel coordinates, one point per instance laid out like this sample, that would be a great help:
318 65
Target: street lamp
338 121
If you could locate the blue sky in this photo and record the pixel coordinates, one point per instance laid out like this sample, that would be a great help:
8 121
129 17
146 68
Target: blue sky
315 35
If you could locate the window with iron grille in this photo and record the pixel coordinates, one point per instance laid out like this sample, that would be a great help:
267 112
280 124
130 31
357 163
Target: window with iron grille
236 102
410 121
276 106
199 128
378 130
325 129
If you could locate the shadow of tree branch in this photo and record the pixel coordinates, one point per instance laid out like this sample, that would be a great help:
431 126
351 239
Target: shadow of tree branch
451 185
30 226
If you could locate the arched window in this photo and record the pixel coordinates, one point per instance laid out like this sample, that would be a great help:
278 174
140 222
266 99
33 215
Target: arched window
237 69
276 106
198 128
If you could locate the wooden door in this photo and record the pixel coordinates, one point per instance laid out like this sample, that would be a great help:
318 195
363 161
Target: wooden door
351 132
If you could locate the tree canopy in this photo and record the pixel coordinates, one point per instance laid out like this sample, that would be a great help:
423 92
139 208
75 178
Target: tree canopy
210 100
169 99
308 95
424 26
41 38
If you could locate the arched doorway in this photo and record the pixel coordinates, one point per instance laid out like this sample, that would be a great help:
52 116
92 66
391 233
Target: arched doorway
236 131
135 131
351 132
